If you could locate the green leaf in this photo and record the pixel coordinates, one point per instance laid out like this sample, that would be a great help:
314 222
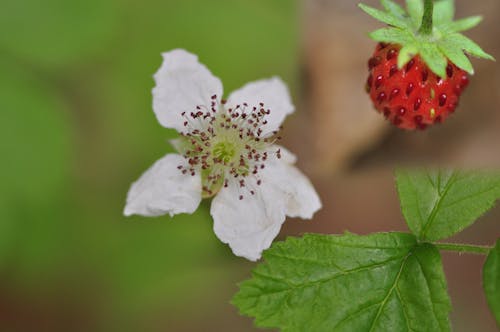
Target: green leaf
461 25
416 10
383 16
467 45
439 204
391 35
444 11
393 8
456 55
434 58
380 282
491 281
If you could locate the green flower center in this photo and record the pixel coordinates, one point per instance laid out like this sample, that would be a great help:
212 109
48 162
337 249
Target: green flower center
224 151
222 143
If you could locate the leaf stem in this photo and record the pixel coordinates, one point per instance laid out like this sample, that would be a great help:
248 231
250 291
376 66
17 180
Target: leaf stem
464 248
426 27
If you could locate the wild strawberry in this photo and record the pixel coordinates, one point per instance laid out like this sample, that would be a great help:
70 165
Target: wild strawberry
413 97
419 69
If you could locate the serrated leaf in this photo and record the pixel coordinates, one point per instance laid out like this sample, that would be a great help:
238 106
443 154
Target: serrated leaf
444 11
433 57
406 53
461 25
467 45
381 282
383 16
456 55
393 8
439 204
491 281
416 10
391 35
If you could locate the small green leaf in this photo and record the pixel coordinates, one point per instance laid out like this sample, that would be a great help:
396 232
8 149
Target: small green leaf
467 45
383 16
406 54
434 58
456 55
416 10
381 282
444 11
461 25
393 8
491 281
439 204
391 35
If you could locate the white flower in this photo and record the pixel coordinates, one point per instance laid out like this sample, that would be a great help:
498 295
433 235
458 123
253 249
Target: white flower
226 150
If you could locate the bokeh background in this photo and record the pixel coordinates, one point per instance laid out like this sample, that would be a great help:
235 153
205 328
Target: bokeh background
76 128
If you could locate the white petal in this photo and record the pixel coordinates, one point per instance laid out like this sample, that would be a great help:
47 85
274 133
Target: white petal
249 225
164 189
302 200
182 83
275 96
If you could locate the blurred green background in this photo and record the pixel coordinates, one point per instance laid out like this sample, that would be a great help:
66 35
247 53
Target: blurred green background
76 128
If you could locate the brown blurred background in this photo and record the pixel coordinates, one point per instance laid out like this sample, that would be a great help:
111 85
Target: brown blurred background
76 128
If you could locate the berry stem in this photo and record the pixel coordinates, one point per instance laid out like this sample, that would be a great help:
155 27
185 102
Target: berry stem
464 248
426 27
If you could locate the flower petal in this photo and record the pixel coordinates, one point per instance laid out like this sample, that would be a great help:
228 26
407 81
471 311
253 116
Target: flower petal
303 201
182 83
164 189
248 225
273 93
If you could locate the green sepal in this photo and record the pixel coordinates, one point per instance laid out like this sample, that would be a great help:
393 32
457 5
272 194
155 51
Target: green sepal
444 11
416 10
462 24
444 44
385 17
391 35
393 8
432 56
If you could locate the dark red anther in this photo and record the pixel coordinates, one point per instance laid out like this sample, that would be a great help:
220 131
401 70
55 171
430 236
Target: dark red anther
442 99
214 97
438 119
409 88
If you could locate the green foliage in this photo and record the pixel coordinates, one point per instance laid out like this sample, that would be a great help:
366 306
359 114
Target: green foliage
381 282
442 43
439 204
491 280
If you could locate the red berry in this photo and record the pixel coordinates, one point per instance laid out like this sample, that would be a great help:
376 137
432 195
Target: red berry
413 97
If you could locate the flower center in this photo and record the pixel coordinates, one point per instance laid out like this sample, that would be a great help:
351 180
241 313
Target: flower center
224 151
223 143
